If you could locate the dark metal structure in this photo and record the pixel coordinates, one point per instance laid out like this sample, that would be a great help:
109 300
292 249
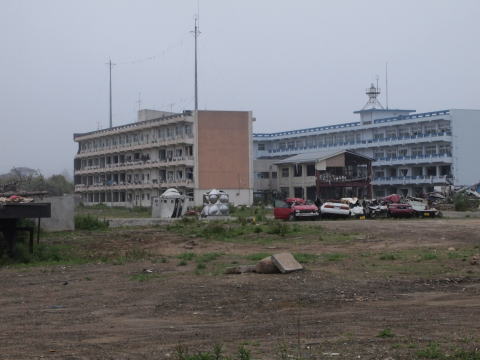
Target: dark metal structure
12 213
346 174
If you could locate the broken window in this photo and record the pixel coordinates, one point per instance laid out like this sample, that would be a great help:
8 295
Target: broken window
298 192
297 170
310 170
263 175
162 155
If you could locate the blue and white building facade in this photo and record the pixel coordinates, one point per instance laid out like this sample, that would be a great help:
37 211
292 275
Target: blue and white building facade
413 152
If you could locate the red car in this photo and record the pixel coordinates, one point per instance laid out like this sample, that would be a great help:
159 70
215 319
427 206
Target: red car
295 208
399 209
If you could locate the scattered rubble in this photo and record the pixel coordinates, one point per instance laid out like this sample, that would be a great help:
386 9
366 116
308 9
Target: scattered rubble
475 260
266 266
284 263
241 269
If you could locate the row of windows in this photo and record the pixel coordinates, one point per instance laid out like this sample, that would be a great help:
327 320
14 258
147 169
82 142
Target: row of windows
427 150
330 139
161 133
167 154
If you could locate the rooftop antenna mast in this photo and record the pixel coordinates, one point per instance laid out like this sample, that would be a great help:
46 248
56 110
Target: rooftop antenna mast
110 65
386 84
196 33
139 101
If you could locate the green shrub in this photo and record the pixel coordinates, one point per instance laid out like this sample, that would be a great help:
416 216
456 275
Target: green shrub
89 222
461 202
386 333
278 228
388 256
432 351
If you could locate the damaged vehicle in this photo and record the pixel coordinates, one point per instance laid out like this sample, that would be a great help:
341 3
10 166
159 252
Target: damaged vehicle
422 208
295 209
400 210
356 208
334 208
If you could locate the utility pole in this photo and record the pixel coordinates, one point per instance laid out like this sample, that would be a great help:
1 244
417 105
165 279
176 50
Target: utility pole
110 64
196 33
386 83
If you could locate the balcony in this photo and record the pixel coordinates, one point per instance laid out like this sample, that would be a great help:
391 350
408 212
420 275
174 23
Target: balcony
410 180
149 164
135 146
134 186
420 159
404 140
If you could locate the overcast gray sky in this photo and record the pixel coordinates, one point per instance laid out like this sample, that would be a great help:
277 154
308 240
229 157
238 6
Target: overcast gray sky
295 64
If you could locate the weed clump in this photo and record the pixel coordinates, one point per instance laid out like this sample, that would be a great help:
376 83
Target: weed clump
278 228
89 222
386 333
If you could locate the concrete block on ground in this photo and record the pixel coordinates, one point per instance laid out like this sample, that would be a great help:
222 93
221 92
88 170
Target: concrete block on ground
285 262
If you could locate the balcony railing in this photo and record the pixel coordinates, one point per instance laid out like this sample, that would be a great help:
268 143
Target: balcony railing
399 160
134 185
400 140
134 146
406 180
265 136
132 165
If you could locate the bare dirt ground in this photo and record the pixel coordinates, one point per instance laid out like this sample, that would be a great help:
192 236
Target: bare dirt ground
392 289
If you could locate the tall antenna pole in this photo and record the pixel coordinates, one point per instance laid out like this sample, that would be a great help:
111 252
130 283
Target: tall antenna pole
196 33
386 84
110 64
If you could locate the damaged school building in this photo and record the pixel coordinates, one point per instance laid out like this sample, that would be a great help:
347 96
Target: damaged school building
412 153
387 151
193 151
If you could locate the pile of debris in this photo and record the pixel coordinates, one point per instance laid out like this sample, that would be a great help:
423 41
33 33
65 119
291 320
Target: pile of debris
278 263
13 199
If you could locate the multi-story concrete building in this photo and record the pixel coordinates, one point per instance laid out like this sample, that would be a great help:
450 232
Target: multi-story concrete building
193 151
412 152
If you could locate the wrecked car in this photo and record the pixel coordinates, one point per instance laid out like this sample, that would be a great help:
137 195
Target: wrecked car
335 209
400 210
294 209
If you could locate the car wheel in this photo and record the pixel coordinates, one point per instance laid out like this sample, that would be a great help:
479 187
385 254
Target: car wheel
292 217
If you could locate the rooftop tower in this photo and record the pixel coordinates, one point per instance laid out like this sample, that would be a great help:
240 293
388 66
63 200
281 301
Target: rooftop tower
374 110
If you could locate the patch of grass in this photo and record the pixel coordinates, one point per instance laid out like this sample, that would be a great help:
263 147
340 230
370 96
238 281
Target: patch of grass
431 351
305 258
182 263
429 256
89 222
187 256
217 353
467 355
132 255
207 257
388 256
386 333
278 228
257 256
334 256
144 277
103 211
43 254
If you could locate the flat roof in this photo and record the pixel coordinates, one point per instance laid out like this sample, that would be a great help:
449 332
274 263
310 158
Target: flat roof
317 156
